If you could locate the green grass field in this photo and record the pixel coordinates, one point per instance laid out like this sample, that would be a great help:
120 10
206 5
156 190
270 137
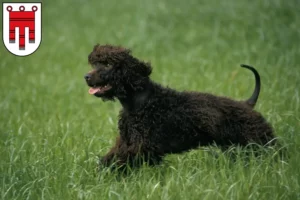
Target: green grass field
52 130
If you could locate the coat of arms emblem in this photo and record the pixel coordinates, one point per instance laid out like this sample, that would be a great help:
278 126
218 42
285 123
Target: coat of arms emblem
22 27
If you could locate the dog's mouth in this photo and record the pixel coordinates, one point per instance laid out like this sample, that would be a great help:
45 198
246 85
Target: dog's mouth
99 89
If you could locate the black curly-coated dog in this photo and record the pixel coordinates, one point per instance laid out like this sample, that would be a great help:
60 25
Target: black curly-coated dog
157 120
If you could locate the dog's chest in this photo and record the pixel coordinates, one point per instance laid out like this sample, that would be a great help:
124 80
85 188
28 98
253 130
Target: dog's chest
135 125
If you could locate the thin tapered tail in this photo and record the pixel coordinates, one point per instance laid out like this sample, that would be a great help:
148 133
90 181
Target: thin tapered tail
253 99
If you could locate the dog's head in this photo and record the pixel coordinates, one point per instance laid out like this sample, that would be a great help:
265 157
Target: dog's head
116 73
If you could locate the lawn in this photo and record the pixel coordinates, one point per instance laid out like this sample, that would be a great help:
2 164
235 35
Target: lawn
52 130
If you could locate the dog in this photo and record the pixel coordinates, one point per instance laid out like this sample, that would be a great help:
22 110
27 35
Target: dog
156 120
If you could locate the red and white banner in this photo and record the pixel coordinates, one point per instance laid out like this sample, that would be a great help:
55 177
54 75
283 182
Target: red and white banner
22 27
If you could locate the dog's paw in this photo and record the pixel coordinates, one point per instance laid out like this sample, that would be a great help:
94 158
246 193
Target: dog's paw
108 163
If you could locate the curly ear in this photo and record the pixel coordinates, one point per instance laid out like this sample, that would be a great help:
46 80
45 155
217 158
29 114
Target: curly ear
144 69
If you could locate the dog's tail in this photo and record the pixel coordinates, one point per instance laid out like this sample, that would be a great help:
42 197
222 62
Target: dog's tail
252 100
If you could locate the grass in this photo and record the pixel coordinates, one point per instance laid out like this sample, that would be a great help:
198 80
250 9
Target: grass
51 130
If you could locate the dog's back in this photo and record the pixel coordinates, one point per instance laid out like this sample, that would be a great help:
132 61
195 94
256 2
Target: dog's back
219 120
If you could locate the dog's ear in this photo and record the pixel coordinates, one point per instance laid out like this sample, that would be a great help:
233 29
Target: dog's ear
145 69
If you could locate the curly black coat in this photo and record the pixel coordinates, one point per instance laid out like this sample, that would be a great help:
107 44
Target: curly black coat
157 120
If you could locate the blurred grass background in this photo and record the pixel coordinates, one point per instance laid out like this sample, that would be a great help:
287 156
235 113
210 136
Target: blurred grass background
51 130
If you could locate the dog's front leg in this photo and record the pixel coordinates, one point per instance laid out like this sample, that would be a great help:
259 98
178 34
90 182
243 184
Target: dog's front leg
111 157
123 154
119 155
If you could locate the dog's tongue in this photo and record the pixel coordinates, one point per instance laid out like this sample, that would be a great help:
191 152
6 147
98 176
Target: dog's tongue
93 90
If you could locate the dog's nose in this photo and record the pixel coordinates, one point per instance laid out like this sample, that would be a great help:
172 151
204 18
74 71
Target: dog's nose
87 77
